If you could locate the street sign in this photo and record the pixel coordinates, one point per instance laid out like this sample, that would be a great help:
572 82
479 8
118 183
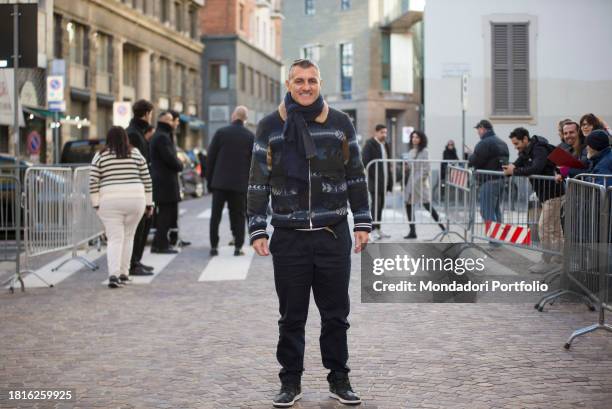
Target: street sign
464 92
34 142
57 106
55 88
121 114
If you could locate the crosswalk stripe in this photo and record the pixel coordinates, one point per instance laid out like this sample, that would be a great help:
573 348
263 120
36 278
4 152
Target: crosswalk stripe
226 266
155 260
55 277
206 213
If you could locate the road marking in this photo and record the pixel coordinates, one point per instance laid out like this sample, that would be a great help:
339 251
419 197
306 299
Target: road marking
56 277
226 266
206 213
182 211
155 260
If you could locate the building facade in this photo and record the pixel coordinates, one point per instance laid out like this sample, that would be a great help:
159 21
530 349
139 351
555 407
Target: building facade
124 51
525 62
369 55
241 61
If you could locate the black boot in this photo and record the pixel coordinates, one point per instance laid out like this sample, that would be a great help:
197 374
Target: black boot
287 396
412 234
340 388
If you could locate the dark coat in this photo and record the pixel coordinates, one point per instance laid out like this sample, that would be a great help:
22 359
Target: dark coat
371 151
135 131
534 161
229 158
490 153
165 166
448 154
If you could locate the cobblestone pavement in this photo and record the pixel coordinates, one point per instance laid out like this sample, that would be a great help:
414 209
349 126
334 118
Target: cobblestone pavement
180 343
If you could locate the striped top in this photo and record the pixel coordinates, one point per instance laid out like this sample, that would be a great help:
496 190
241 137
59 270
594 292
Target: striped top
119 178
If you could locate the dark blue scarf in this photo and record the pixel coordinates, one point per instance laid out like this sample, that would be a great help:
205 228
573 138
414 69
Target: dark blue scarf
299 146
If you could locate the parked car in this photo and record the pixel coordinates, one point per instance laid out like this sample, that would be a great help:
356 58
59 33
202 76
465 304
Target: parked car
191 180
81 151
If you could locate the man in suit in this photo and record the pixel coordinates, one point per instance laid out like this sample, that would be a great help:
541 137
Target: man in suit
227 175
165 167
379 180
143 114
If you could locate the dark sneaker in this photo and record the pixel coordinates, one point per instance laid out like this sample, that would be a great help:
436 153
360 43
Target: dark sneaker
340 389
214 252
238 252
113 282
163 251
288 395
124 279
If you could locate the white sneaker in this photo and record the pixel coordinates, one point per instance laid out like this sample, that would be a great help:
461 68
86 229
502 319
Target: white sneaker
542 267
376 235
384 235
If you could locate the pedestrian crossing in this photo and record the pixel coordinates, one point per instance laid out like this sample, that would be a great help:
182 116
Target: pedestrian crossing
226 266
206 213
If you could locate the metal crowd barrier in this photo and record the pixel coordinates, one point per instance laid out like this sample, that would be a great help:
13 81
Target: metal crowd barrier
58 213
588 249
459 199
418 183
519 211
10 226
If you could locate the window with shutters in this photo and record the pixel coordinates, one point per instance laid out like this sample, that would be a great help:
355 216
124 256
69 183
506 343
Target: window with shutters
510 63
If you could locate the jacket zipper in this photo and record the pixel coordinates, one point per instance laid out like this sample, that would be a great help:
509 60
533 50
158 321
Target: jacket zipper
309 195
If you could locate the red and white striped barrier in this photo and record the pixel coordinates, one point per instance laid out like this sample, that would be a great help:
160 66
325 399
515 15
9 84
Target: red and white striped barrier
459 177
508 233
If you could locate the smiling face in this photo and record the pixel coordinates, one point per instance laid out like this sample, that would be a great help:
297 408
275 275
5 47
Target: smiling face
520 144
570 134
586 127
304 84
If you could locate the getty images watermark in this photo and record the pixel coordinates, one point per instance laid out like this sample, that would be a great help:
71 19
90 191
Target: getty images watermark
427 272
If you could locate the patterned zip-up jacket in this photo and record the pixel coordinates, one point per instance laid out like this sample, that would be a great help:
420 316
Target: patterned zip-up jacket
336 176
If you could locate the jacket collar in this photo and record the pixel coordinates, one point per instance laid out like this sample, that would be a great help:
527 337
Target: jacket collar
238 122
164 127
487 134
138 123
282 111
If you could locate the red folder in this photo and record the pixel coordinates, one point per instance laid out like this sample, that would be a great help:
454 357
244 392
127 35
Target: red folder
561 157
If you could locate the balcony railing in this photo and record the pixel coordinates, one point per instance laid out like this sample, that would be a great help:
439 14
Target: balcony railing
79 76
104 83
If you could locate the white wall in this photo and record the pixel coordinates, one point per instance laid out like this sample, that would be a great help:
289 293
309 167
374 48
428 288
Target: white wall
402 56
570 64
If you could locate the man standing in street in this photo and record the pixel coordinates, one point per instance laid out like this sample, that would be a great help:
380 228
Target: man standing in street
379 177
533 160
143 114
491 153
165 167
229 160
307 156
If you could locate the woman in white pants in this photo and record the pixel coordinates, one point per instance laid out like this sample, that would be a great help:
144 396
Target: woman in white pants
121 191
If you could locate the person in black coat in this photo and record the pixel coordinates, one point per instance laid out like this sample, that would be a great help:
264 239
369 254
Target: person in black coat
379 181
143 113
533 160
227 176
165 168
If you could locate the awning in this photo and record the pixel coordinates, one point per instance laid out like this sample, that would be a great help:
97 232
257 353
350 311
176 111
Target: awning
192 121
42 113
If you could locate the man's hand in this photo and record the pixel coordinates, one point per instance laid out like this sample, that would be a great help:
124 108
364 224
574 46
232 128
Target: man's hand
509 169
261 247
361 239
558 178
